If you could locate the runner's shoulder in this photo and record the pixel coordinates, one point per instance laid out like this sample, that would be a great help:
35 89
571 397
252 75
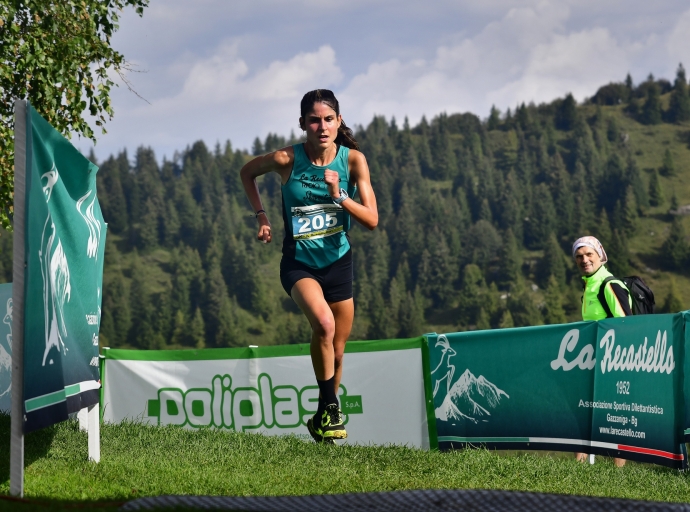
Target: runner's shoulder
356 158
283 157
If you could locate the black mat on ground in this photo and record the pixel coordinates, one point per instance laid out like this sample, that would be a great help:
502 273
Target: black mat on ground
423 500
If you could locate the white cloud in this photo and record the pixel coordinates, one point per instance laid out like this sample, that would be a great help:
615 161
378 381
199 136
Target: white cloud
396 58
525 56
677 43
578 63
221 97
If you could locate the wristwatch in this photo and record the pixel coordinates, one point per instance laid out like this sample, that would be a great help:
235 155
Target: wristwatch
343 196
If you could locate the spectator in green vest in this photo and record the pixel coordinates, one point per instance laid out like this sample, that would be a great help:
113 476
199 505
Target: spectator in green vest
590 258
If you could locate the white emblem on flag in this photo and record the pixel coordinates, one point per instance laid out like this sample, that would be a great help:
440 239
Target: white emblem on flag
55 273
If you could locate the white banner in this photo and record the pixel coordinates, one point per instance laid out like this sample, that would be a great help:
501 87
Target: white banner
271 391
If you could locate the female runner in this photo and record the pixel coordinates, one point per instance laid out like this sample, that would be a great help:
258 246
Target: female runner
319 179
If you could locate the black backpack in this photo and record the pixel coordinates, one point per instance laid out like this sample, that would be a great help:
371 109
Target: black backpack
642 295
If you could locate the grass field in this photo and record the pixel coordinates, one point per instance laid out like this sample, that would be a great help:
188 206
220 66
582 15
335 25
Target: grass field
139 460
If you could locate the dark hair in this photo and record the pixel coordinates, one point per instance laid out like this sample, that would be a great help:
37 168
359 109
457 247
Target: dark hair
345 136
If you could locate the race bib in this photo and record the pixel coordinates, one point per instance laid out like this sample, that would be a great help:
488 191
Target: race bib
316 221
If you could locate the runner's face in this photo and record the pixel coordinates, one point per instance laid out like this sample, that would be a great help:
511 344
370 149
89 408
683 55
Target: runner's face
321 125
588 260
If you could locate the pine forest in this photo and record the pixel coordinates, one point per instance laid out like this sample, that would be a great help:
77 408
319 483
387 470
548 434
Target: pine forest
476 220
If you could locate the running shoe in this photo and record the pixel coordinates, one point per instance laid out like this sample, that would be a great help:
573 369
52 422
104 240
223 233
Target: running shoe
315 435
330 425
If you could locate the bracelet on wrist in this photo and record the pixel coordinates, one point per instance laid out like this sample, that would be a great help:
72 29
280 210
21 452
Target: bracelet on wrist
256 215
341 198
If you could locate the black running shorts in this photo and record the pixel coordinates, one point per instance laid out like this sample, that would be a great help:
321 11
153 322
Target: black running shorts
335 279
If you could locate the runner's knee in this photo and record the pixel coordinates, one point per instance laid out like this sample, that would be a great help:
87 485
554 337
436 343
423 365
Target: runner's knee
324 327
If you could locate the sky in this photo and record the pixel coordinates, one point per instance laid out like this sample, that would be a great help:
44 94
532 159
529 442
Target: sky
219 70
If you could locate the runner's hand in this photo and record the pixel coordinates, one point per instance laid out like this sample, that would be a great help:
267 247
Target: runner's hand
264 231
332 180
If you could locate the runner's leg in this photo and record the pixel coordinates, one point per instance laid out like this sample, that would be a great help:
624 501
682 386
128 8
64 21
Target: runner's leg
343 314
327 424
308 295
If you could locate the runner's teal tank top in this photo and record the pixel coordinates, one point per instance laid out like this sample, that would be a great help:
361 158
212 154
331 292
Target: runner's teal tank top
315 227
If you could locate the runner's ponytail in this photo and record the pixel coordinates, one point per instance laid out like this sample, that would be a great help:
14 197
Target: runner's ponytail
346 137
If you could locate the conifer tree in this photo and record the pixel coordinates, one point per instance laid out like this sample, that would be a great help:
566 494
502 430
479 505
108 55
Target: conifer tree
522 308
564 203
506 320
163 319
379 252
553 303
257 147
612 130
634 178
542 220
628 224
483 244
485 211
412 315
566 113
445 164
179 330
170 225
141 331
510 261
426 161
552 265
651 110
674 250
679 107
114 208
148 226
584 148
443 272
629 83
473 285
491 302
673 302
613 182
117 305
188 212
395 300
216 299
482 321
380 326
656 193
227 331
196 331
494 120
619 255
667 168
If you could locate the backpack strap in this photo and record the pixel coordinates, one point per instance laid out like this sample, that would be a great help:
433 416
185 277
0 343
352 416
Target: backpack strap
602 297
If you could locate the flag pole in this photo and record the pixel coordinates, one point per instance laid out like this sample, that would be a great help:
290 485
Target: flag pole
18 268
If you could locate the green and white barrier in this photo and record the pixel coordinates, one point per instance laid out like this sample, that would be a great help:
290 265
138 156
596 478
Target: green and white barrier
272 390
613 387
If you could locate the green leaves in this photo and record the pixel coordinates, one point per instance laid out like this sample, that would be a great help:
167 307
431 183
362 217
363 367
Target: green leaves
57 55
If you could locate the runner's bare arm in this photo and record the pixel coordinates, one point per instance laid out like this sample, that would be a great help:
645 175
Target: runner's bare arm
279 161
365 213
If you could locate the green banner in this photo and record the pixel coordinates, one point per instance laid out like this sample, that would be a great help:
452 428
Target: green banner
64 247
612 387
6 347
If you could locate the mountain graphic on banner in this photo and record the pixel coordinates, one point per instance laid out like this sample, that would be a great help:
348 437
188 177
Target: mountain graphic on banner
470 398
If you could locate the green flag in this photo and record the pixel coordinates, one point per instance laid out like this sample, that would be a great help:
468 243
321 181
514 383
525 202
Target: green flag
64 248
